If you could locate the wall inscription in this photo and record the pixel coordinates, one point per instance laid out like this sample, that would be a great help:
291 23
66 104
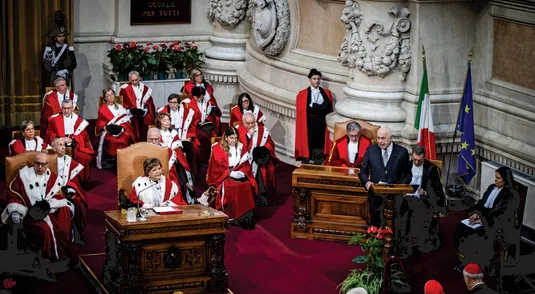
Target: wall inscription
154 12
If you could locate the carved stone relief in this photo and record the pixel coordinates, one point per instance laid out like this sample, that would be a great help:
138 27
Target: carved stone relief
397 52
228 12
271 25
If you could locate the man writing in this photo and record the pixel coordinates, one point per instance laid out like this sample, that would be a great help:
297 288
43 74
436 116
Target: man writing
52 102
137 98
35 198
68 170
263 159
349 150
72 128
387 162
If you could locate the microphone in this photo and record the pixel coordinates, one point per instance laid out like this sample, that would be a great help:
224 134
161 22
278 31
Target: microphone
141 217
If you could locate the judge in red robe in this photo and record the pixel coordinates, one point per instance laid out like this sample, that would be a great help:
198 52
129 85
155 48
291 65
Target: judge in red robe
192 118
349 150
312 104
28 141
214 112
52 102
153 189
245 104
112 113
68 174
172 108
179 170
50 233
70 126
262 157
229 171
138 96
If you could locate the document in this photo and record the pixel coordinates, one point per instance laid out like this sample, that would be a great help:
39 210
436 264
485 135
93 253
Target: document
163 209
204 199
415 195
473 226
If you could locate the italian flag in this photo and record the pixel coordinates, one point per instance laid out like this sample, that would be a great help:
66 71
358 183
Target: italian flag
424 120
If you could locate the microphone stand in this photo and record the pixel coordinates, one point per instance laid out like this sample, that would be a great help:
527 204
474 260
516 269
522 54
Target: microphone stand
140 216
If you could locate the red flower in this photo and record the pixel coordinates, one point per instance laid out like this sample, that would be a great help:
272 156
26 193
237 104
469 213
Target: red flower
118 47
372 230
149 43
8 283
188 45
155 47
133 44
147 49
166 42
195 47
192 42
379 236
163 46
176 48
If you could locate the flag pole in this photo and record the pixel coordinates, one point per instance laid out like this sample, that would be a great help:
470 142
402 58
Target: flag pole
457 121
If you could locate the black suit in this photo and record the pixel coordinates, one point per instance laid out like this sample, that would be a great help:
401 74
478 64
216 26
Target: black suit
432 183
397 171
482 289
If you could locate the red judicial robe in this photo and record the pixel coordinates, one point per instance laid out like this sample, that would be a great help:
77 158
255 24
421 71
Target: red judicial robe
189 116
52 105
339 155
168 194
236 115
18 146
173 139
110 143
144 100
167 109
83 151
262 138
53 233
215 119
301 129
68 171
235 198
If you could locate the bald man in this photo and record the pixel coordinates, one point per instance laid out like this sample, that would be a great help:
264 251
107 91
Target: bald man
384 162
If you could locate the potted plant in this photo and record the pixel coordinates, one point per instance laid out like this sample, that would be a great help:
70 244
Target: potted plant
371 277
192 57
7 285
176 58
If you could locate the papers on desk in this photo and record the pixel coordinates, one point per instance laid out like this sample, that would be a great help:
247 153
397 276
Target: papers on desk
166 210
382 183
415 195
474 226
351 171
204 199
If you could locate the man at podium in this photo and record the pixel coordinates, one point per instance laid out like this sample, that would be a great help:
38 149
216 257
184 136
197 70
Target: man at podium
387 162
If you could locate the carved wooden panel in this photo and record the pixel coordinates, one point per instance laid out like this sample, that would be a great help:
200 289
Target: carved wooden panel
159 258
514 53
339 208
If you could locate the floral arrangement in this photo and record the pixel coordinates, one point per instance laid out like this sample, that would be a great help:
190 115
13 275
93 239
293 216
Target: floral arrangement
154 60
7 285
371 277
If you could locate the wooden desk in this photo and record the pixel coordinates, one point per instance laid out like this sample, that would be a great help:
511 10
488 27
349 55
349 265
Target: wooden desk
166 253
330 203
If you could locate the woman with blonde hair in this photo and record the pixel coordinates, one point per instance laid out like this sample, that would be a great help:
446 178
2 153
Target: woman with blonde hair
209 107
114 128
229 171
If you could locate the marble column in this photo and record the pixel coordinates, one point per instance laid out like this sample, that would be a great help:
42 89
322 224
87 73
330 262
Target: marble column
230 32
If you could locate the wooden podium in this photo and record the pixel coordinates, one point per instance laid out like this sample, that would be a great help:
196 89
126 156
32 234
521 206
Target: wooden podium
178 252
330 203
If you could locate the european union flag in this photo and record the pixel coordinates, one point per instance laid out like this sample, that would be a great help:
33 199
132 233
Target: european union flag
465 125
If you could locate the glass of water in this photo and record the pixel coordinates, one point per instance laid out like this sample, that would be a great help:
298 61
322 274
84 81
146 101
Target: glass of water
131 215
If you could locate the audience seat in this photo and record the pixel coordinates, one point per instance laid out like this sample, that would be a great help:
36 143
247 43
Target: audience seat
130 166
17 134
216 139
367 129
15 163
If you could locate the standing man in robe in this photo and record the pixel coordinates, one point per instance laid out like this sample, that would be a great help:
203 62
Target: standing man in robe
34 197
52 102
384 162
312 104
137 98
59 59
68 171
262 157
349 150
70 126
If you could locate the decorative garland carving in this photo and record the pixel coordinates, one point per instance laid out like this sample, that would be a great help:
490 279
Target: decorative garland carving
336 232
329 182
302 215
271 25
177 228
171 287
396 52
219 279
228 12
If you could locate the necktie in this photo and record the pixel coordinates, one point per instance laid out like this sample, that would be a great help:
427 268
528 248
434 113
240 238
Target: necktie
385 157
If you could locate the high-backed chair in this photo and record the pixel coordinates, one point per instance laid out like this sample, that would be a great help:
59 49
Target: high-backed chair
184 96
17 135
436 162
48 89
367 129
130 166
118 99
236 123
216 139
15 163
230 106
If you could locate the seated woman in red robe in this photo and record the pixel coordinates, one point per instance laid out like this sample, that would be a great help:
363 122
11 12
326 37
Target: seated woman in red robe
168 137
214 112
245 104
114 128
229 171
28 142
153 189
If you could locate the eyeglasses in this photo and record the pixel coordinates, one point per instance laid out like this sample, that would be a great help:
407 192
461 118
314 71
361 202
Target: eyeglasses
173 102
43 164
29 129
67 108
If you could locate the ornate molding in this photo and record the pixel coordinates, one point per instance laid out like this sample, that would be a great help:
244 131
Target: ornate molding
228 12
329 182
336 232
171 287
176 229
271 25
397 52
301 214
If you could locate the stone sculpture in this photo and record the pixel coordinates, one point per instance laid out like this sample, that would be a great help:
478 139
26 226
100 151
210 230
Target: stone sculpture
228 12
271 25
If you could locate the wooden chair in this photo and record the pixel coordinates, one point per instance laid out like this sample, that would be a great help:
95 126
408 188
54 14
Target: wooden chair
216 139
15 163
118 99
230 106
436 162
236 123
367 129
130 166
17 134
48 89
184 96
